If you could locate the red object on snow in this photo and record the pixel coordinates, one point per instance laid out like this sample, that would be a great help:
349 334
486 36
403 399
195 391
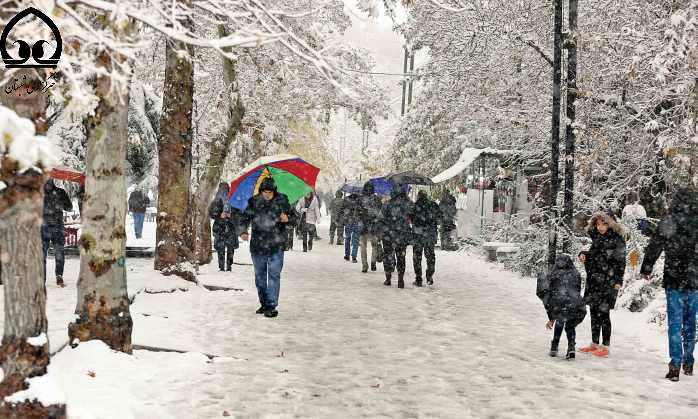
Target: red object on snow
71 236
67 174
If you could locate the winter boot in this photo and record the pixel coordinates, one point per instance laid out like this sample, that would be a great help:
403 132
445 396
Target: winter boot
602 352
364 269
430 280
688 369
673 374
589 349
553 348
570 353
417 282
401 280
373 267
260 310
353 260
59 281
346 258
387 279
271 313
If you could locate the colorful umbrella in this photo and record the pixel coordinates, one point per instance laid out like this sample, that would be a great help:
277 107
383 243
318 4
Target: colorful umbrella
294 177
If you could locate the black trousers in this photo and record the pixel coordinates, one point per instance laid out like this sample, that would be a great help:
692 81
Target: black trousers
308 232
600 325
570 331
225 253
394 256
339 228
428 250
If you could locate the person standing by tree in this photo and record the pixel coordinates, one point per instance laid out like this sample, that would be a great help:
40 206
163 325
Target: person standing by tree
138 203
56 200
225 234
605 268
677 237
370 207
351 217
397 234
268 212
309 210
447 206
336 224
427 216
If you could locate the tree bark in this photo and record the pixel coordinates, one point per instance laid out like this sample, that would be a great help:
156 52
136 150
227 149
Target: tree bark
555 134
21 254
103 305
571 117
173 252
218 155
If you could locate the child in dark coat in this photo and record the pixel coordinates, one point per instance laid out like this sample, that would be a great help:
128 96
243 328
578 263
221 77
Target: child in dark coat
560 291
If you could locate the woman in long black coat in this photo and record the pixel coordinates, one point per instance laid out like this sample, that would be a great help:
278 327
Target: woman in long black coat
605 268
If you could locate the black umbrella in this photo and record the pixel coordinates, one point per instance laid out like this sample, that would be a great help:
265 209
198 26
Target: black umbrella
409 177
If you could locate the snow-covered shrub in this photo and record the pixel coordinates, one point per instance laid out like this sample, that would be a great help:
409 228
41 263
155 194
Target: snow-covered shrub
19 140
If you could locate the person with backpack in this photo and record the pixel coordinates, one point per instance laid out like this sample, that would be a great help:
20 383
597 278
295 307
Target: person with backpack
138 203
677 237
370 207
225 226
397 217
604 263
560 292
427 216
309 210
268 213
351 217
56 200
336 224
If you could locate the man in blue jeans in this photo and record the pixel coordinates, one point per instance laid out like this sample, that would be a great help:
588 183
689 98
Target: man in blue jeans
138 203
351 215
268 212
677 237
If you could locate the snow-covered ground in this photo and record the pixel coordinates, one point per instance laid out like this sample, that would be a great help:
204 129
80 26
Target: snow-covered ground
344 346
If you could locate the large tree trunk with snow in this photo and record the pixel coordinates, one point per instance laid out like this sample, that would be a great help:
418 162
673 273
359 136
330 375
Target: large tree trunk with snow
218 155
103 304
21 216
173 251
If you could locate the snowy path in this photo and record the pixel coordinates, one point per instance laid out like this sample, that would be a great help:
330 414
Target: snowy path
344 346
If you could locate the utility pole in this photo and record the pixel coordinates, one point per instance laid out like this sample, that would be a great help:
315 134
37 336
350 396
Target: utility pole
404 80
409 95
571 46
555 131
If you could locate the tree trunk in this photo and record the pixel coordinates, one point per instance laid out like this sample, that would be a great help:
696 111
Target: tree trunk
103 305
21 216
218 155
555 134
173 252
571 117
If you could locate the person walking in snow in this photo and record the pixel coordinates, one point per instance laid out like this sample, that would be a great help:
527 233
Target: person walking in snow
336 224
427 216
268 212
351 217
447 206
634 214
397 216
225 228
605 267
56 200
370 207
677 237
309 210
560 291
137 204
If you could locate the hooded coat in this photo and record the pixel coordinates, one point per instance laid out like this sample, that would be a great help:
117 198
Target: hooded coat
397 216
370 208
225 230
677 237
427 217
605 263
56 200
268 232
560 291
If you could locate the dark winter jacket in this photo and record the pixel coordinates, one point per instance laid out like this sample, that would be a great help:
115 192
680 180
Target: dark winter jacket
336 208
605 263
448 210
371 207
427 217
138 201
351 210
397 217
225 230
268 232
560 291
677 236
56 200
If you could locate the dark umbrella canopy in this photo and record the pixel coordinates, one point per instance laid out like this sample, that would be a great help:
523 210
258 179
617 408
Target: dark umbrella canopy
409 177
